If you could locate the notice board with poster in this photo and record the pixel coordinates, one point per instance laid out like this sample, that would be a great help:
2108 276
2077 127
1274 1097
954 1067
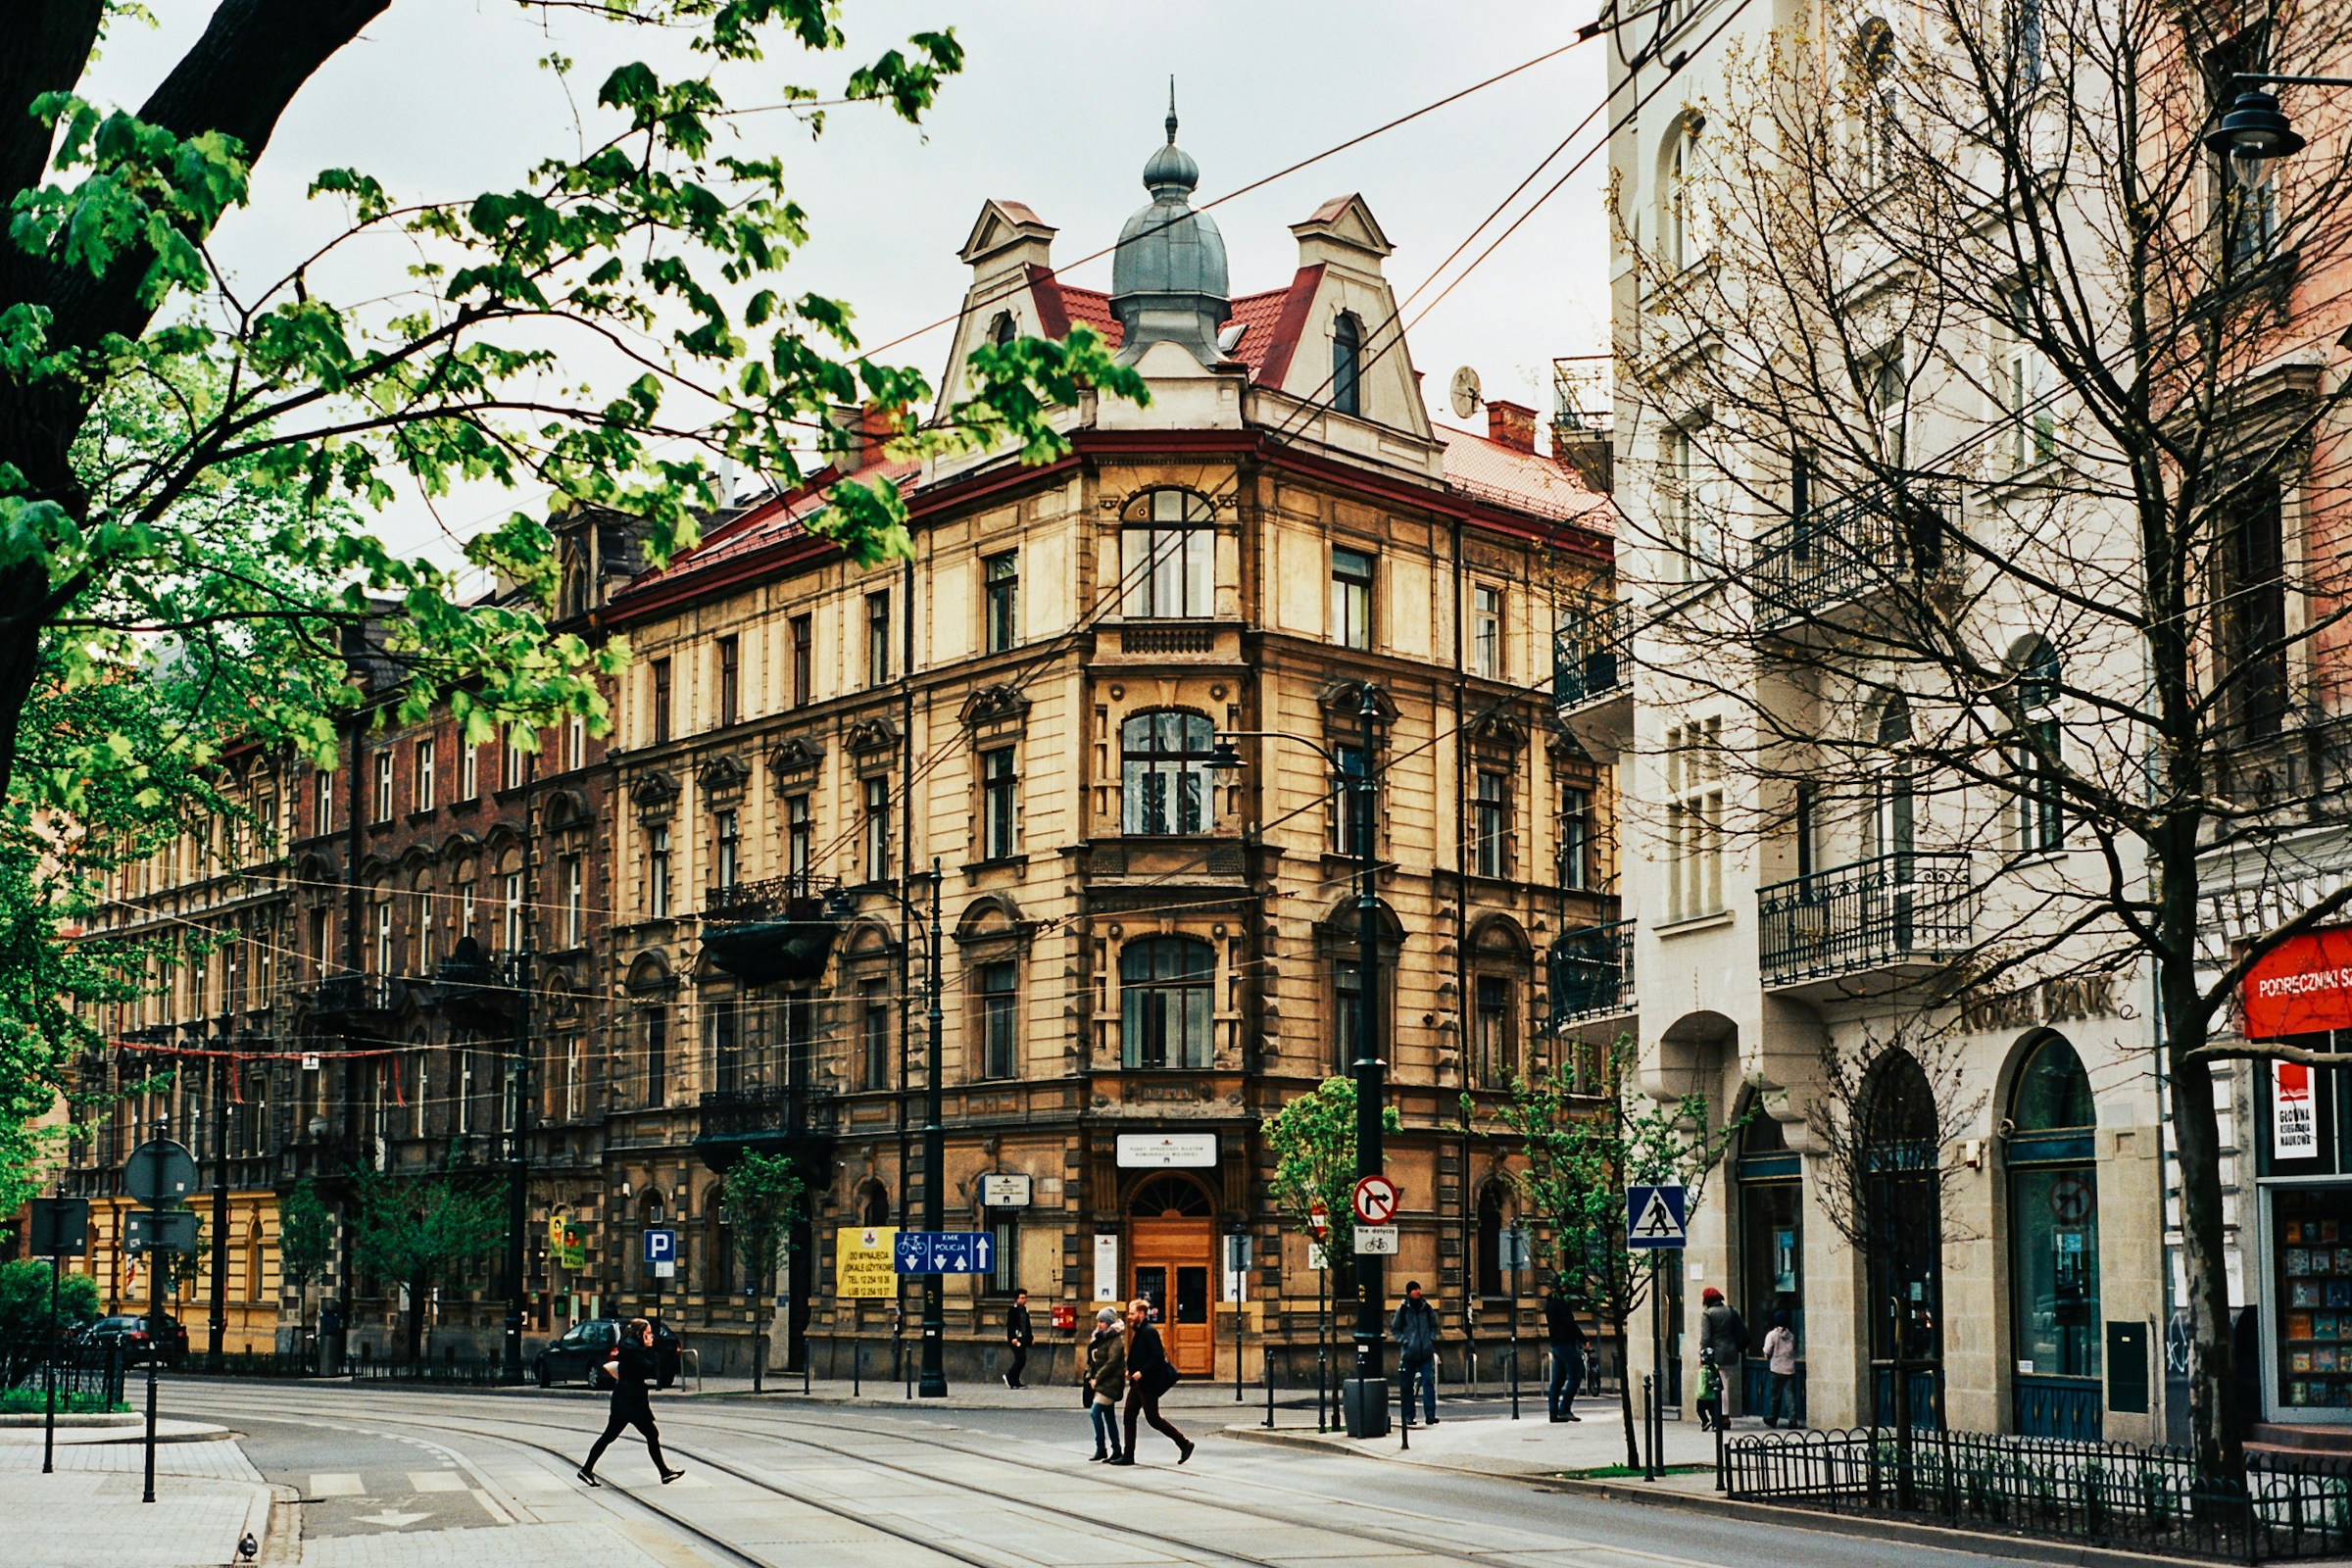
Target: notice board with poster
863 1262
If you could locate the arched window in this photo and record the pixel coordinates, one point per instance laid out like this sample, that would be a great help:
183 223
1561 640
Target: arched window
2037 821
2054 1244
1677 222
1167 996
1880 130
1489 1241
1164 777
1347 369
1002 330
873 1205
1171 1197
1167 556
1770 1192
1900 1194
1893 817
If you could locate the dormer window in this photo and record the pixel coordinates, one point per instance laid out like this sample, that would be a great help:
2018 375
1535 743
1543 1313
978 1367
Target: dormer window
1346 354
1002 330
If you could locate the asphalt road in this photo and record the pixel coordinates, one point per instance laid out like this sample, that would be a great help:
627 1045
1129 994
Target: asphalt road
396 1476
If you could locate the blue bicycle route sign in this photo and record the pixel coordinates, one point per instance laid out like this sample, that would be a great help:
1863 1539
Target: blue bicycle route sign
944 1253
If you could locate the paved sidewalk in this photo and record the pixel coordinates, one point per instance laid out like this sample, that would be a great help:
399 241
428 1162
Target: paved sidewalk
1494 1445
88 1514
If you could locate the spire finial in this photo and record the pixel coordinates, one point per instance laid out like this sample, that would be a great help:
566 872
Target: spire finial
1171 109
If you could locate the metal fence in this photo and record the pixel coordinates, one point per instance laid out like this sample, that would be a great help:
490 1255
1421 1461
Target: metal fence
93 1375
1851 548
1592 972
2106 1494
1592 654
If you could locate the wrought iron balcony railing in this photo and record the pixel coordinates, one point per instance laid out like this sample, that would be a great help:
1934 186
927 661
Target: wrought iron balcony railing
354 997
1895 912
1592 972
796 893
1592 656
1854 547
776 931
769 1110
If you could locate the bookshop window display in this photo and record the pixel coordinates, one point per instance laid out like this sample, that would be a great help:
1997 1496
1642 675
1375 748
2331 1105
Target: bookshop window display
2307 1216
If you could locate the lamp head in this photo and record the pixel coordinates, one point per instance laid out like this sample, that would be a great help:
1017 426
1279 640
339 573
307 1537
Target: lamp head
2255 129
1224 756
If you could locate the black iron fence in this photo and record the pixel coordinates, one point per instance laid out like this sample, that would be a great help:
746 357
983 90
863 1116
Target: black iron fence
1592 654
2106 1494
1853 547
1592 972
1911 907
91 1375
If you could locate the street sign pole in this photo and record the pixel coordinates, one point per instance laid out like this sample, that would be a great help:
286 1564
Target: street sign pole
49 1379
155 1312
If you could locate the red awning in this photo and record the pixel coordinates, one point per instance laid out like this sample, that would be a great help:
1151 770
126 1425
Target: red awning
2301 987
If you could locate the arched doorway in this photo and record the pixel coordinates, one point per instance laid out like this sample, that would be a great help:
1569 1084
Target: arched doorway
1772 1280
2054 1244
1172 1254
1901 1199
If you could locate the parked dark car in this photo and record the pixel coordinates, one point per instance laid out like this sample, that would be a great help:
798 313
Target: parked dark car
140 1336
579 1356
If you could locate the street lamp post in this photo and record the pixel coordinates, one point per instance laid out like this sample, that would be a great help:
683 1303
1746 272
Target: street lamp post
934 1382
2255 128
1365 1399
519 1152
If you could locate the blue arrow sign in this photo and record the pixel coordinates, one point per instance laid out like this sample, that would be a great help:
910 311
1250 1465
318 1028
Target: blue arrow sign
944 1253
1654 1218
661 1246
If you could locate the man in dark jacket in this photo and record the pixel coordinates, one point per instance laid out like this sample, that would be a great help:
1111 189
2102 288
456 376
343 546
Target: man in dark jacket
1415 1330
1150 1374
1566 1337
1723 1342
1019 1336
631 1370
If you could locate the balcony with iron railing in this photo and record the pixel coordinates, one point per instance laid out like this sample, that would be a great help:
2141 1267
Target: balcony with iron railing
1866 928
787 1119
1591 975
1592 678
779 930
1844 565
351 999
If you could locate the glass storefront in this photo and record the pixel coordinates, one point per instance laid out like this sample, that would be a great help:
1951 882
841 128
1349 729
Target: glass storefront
1771 1255
2306 1142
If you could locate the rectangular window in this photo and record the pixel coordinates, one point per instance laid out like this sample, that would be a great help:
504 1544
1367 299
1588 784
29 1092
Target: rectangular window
1005 1263
425 782
514 890
383 784
804 657
1485 631
2026 387
877 639
999 1019
469 773
383 915
576 903
798 838
661 676
730 681
1002 575
1347 993
1694 819
726 1059
1491 825
728 863
2251 524
657 874
323 802
1497 1043
996 803
1351 598
464 1109
877 830
1807 822
657 1058
1347 813
874 1039
1577 870
514 760
427 917
575 744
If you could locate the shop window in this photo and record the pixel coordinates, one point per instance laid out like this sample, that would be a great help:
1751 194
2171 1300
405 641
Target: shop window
2054 1244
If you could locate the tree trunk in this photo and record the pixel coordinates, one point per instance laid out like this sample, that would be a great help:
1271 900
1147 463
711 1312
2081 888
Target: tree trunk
2219 1434
1625 1393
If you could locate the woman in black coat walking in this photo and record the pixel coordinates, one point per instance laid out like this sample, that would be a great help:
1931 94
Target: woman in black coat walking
1150 1374
631 1370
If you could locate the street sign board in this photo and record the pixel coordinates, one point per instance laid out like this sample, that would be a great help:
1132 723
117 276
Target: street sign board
1107 1267
1239 1246
660 1246
61 1227
1317 1256
944 1253
1378 1241
1655 1218
861 1259
1005 1191
1167 1150
159 1173
1375 1199
169 1230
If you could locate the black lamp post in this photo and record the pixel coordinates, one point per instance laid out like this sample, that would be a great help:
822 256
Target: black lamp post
2255 128
1366 1397
933 1383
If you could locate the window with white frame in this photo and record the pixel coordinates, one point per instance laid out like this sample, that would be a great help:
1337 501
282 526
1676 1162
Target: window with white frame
728 837
798 837
1165 781
514 761
1167 556
515 911
425 781
323 802
469 771
877 829
2026 386
1578 872
576 903
2037 814
996 802
1694 819
1894 804
576 743
1887 403
1486 630
1351 598
657 874
384 785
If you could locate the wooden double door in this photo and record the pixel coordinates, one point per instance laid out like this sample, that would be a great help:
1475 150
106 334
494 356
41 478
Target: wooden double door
1172 1264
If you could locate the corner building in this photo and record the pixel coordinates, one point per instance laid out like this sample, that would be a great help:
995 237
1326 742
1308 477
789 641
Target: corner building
1140 957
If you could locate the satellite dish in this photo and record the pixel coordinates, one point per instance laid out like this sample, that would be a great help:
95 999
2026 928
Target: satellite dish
1465 393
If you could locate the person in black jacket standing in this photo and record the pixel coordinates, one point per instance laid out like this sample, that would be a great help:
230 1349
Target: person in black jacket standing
1566 1337
1150 1374
631 1370
1018 1335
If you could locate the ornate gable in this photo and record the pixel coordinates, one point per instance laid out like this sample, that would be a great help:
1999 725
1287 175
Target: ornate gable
869 736
723 774
797 754
655 796
993 707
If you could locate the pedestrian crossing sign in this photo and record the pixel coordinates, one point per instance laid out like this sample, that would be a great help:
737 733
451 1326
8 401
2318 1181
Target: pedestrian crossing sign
1654 1218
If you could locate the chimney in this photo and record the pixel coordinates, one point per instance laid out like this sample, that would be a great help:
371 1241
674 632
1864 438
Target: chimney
1583 450
857 436
1511 424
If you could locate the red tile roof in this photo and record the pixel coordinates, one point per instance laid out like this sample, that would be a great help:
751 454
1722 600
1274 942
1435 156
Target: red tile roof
766 523
1524 481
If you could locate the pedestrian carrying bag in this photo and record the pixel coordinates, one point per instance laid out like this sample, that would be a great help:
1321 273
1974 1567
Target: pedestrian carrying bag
1165 1377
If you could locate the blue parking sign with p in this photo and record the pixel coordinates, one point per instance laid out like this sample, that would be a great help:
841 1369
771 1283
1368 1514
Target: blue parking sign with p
661 1246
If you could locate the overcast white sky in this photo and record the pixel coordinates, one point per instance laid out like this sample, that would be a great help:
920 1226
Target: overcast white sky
1060 104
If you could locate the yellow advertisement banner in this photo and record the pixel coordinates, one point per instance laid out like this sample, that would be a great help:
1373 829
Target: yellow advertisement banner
861 1262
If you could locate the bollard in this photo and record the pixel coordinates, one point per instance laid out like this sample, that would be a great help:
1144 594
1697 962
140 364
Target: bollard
808 1361
1322 1389
857 1368
1269 1390
1719 1480
1514 1382
1405 1401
